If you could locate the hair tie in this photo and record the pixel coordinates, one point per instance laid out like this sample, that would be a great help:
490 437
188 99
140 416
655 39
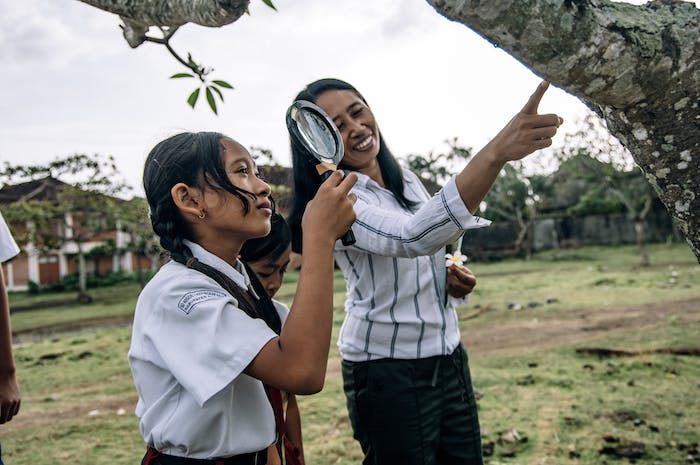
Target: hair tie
191 262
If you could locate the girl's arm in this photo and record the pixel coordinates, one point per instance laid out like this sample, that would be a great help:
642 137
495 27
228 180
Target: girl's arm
9 392
296 360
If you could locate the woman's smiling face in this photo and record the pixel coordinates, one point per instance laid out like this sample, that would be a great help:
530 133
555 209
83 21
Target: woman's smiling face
356 124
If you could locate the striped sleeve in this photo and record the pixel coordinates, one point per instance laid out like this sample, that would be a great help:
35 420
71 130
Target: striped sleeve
440 221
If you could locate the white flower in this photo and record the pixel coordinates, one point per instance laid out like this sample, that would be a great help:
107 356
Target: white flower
455 259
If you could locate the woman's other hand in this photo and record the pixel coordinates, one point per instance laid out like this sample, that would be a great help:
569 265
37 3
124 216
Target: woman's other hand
527 131
460 281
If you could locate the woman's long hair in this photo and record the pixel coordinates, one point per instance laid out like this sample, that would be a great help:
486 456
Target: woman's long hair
307 180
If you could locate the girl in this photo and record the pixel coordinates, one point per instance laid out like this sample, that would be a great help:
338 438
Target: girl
405 373
200 352
268 258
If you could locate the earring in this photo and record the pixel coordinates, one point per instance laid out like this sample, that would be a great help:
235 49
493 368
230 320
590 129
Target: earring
202 215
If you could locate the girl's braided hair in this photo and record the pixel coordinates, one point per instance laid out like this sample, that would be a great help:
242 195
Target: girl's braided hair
195 159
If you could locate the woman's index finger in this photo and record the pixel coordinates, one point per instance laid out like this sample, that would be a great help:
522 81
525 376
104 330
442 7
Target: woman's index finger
533 102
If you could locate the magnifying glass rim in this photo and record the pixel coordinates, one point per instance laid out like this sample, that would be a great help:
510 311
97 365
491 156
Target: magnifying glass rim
298 105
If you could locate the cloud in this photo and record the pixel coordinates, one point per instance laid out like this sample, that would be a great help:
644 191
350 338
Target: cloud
47 33
407 18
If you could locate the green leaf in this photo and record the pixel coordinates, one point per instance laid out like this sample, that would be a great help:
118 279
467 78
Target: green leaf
222 84
181 75
211 101
216 89
192 99
269 3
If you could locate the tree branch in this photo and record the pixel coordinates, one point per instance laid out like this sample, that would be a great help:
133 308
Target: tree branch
638 66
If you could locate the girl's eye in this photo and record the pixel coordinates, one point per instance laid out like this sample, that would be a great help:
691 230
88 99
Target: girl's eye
242 170
341 126
265 275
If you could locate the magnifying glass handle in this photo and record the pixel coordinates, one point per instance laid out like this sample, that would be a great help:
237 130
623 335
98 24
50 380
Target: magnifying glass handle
349 237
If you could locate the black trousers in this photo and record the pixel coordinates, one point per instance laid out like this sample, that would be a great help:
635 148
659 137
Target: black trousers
414 412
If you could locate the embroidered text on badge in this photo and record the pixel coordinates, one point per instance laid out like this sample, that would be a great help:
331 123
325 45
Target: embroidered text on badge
193 298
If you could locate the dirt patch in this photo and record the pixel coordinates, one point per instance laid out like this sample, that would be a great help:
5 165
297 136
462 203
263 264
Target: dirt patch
50 416
576 326
565 329
602 352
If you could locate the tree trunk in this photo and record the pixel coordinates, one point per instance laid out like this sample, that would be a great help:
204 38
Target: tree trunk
139 16
83 296
522 237
636 66
641 243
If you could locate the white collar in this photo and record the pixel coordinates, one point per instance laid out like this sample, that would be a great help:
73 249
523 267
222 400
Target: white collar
237 272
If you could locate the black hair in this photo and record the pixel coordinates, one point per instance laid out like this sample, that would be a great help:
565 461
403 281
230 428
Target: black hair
195 159
307 180
271 246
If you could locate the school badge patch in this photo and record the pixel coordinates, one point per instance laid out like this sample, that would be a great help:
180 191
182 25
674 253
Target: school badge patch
193 298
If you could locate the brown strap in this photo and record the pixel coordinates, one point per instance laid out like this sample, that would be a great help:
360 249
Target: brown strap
292 454
151 454
274 395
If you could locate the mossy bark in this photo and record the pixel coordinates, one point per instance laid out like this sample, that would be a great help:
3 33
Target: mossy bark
636 66
138 16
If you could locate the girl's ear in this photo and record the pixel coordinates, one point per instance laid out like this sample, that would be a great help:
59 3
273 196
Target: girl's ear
187 199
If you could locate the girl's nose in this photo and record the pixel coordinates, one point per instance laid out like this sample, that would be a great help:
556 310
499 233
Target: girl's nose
264 189
273 286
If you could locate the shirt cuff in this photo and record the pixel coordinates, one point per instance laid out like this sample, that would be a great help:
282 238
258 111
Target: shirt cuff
457 211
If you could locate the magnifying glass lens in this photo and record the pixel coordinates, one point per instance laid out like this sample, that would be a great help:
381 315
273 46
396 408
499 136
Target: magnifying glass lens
315 133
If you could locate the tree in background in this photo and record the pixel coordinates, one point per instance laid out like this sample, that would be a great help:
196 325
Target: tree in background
136 222
78 212
436 168
593 158
515 196
636 66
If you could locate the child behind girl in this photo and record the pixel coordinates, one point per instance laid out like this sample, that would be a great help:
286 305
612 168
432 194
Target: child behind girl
267 257
200 348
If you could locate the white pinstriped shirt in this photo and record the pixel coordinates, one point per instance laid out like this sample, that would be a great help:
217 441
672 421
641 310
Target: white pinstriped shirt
395 272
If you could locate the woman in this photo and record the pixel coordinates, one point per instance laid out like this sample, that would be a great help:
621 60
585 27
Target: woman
201 349
405 373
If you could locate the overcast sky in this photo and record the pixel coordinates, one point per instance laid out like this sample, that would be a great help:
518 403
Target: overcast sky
70 83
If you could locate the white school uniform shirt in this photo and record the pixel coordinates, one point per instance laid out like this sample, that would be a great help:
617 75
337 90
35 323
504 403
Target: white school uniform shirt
8 246
395 272
189 347
282 310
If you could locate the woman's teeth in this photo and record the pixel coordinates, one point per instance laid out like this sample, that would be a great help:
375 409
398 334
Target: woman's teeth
364 144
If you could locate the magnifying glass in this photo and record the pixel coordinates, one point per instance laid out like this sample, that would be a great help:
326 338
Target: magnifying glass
312 129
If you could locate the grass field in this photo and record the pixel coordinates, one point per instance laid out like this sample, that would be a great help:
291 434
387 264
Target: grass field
540 402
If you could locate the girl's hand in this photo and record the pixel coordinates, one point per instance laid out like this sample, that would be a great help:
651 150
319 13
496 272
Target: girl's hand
9 396
330 213
460 281
527 131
